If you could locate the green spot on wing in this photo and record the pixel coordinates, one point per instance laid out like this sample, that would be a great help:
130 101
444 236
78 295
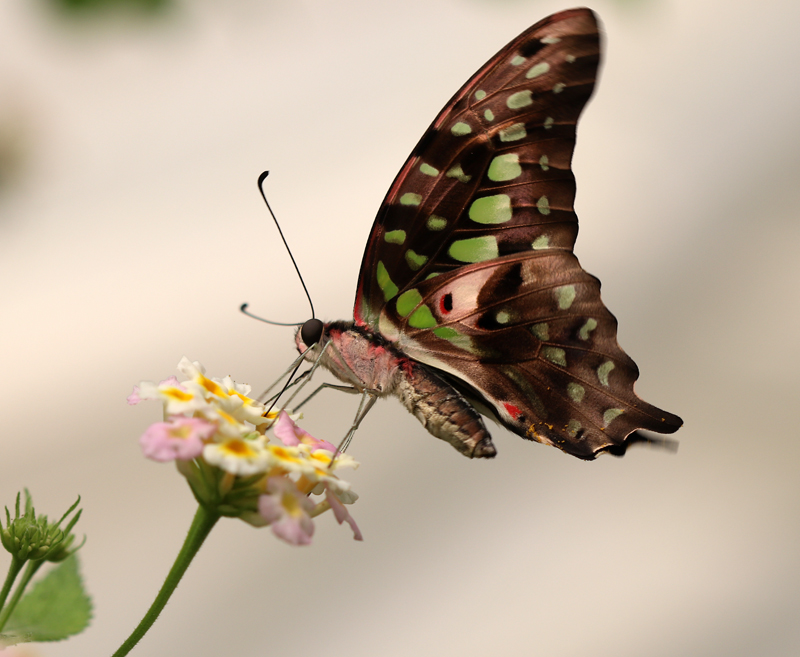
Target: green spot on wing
522 382
460 129
541 242
517 61
409 198
458 173
474 249
565 295
541 331
549 40
407 301
587 328
445 332
428 170
514 132
488 115
504 167
573 427
558 87
491 210
414 260
539 69
576 391
395 236
610 414
436 222
569 59
548 123
502 317
544 162
543 205
520 99
422 318
555 355
388 288
603 371
455 338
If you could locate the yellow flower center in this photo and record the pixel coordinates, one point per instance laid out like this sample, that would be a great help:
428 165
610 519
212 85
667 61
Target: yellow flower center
284 454
177 393
237 447
180 432
292 505
246 400
212 387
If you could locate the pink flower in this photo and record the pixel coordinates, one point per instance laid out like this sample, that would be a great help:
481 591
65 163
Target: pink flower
291 435
287 510
134 397
341 513
179 438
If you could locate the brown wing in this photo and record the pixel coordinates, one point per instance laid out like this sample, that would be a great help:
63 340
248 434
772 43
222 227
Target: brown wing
529 333
492 174
469 266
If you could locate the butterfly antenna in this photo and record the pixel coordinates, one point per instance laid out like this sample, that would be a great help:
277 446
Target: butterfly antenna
261 180
243 308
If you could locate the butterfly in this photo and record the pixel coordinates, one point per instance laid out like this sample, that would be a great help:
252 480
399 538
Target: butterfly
470 301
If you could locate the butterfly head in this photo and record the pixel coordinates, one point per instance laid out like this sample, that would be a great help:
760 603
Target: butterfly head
311 332
311 337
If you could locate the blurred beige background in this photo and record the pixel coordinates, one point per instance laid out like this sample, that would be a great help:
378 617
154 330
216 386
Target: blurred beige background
131 229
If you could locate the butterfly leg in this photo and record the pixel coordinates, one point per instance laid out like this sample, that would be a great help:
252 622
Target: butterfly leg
349 389
308 374
368 400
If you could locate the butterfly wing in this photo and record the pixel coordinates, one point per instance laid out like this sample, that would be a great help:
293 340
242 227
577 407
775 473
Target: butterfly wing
469 266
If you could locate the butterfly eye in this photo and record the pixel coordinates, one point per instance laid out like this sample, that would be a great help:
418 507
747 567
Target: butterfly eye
446 303
311 333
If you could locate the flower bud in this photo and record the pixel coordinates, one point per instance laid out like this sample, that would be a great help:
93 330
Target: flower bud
28 537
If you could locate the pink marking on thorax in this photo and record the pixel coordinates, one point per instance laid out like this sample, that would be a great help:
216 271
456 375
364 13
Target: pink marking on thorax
406 365
365 362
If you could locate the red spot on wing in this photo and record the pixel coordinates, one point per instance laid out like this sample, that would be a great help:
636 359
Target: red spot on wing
513 411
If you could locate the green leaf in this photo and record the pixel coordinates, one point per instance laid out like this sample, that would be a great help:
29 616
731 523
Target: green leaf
56 607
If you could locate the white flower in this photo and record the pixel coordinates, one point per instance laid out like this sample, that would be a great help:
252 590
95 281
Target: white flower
225 394
238 456
177 398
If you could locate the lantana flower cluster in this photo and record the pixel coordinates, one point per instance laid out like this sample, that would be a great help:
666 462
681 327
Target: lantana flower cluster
218 437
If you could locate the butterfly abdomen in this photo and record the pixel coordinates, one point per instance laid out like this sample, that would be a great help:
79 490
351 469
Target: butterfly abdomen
443 411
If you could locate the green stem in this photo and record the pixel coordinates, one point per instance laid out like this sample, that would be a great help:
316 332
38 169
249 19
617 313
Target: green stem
203 523
30 571
13 570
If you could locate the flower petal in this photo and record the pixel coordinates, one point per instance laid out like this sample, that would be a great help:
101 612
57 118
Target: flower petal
287 509
290 434
342 514
178 438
